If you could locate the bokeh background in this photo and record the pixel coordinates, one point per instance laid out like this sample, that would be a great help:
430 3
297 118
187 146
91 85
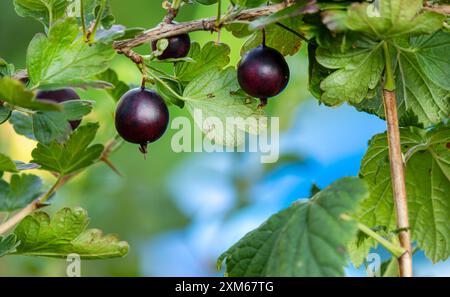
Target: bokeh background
179 212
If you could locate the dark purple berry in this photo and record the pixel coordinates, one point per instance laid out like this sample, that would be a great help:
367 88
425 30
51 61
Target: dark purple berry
60 96
263 73
141 117
178 47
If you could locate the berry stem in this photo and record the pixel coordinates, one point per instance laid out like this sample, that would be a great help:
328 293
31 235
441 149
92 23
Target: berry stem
263 37
292 31
143 148
263 102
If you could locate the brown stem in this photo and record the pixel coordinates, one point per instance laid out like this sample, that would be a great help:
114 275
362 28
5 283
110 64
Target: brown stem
444 9
165 30
14 220
398 181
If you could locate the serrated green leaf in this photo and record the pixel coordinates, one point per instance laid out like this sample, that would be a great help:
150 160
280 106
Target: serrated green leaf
306 239
168 96
317 73
302 7
6 164
76 109
390 268
6 69
14 92
8 244
49 126
427 184
22 124
286 42
216 95
119 87
45 11
393 18
433 56
359 71
21 191
66 234
92 10
73 155
417 95
211 56
5 113
64 58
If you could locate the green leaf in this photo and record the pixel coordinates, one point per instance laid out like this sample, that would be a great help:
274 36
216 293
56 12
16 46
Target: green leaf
21 191
64 58
427 185
248 3
5 113
287 43
22 124
390 268
77 109
306 239
317 73
433 56
359 71
49 126
6 69
8 244
206 2
119 87
21 166
117 32
66 234
92 10
6 164
417 94
168 96
14 92
45 11
211 56
302 7
216 94
393 18
73 155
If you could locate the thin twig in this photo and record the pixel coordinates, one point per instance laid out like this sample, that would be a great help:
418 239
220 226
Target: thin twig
444 9
165 30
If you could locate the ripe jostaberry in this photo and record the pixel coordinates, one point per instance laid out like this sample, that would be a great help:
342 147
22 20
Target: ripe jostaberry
178 47
263 73
60 96
141 117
